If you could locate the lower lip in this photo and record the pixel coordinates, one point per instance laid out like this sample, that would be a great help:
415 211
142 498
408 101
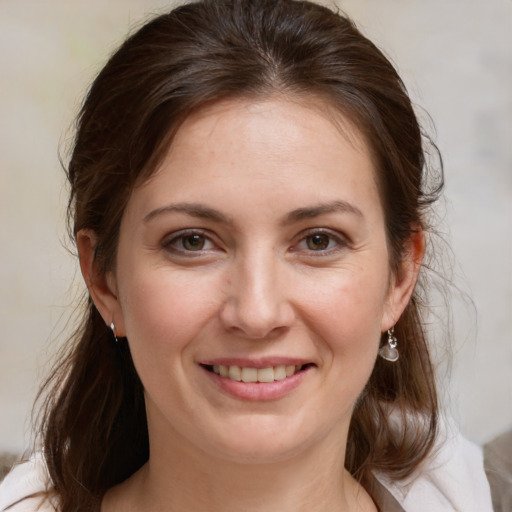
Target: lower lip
258 391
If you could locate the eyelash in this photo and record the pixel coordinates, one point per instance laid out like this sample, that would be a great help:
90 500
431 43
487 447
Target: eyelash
340 243
182 236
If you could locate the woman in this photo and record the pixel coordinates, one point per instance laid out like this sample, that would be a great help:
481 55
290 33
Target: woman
249 201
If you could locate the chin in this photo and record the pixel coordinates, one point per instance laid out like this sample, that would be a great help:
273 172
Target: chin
265 440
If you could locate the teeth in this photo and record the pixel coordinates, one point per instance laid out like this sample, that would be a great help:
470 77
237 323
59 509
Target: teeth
280 372
269 374
234 373
266 375
290 370
249 374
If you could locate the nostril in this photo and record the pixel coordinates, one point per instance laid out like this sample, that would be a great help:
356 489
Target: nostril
256 333
255 316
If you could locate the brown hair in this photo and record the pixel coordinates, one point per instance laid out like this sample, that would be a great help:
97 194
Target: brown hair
94 424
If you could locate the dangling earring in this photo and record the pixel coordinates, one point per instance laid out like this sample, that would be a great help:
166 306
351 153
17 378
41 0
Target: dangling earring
389 352
113 328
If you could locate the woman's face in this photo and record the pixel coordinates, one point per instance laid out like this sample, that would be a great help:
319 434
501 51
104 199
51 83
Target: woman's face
257 251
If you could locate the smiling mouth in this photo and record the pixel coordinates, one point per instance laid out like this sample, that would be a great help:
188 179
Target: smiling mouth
261 375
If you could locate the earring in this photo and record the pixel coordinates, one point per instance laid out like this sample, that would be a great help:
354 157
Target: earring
389 352
113 328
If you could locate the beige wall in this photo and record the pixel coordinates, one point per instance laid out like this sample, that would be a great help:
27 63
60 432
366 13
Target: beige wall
456 58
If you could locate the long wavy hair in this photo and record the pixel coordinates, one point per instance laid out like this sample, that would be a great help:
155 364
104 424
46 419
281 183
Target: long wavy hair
93 422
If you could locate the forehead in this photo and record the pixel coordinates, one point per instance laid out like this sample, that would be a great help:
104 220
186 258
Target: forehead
279 124
281 109
279 140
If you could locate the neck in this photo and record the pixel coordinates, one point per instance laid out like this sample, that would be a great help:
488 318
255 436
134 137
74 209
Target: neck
315 480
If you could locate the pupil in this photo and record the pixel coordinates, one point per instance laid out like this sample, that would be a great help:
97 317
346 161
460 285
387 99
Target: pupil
318 242
193 242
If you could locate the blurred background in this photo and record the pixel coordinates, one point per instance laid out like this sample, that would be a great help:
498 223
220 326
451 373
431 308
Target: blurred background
455 57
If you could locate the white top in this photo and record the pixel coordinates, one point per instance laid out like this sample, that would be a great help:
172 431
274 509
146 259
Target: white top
453 479
21 489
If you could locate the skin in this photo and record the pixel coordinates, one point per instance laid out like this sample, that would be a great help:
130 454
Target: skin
260 236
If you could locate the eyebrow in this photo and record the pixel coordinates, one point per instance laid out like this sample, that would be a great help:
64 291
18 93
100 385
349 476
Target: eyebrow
193 209
311 212
204 212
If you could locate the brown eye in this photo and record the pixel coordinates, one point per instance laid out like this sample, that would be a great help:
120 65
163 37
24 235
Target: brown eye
318 242
189 244
193 242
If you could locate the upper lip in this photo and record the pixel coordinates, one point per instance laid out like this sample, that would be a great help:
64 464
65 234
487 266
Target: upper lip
262 362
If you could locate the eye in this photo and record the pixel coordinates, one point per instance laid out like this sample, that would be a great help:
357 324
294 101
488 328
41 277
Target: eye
193 242
318 242
321 242
185 242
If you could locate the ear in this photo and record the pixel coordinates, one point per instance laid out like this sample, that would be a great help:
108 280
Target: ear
402 283
101 285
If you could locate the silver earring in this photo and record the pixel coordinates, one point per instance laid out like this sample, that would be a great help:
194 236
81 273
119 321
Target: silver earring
113 328
389 352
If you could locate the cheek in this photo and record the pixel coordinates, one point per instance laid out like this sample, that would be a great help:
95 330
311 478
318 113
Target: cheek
165 309
346 310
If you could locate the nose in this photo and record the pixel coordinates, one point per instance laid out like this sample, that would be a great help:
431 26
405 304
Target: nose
256 306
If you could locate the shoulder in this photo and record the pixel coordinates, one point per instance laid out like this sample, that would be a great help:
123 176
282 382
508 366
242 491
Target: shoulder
23 489
498 466
452 479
